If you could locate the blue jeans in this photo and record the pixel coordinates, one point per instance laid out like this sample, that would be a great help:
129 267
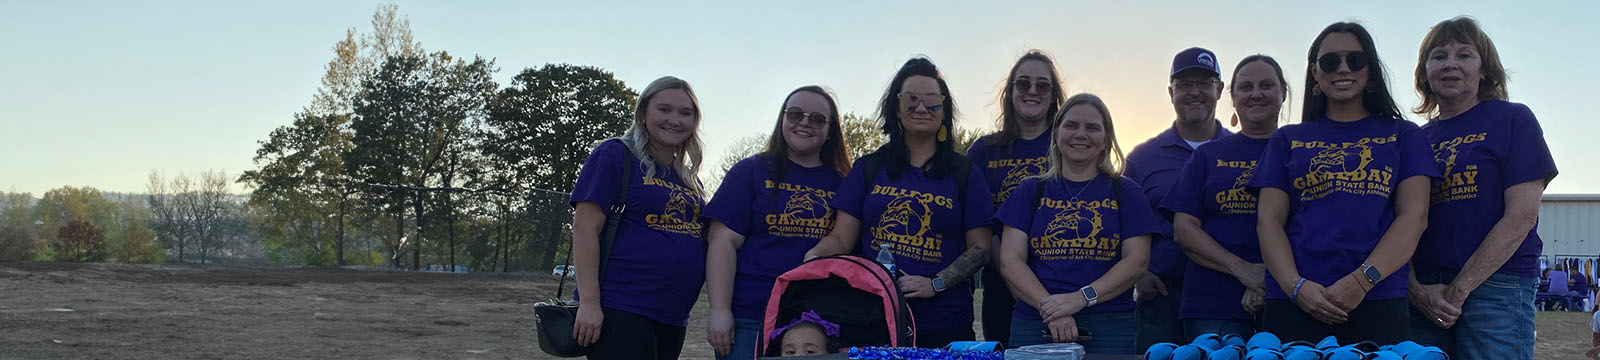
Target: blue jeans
745 333
1496 320
1193 328
1113 332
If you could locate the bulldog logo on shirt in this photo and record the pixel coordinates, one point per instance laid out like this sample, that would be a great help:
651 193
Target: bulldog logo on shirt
1076 232
1339 159
680 214
905 222
1237 200
1020 169
805 213
1343 167
1457 185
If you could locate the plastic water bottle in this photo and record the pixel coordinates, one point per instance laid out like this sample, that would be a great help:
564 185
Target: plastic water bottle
887 259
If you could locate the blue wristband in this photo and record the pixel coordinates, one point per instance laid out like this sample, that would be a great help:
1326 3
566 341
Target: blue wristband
1296 296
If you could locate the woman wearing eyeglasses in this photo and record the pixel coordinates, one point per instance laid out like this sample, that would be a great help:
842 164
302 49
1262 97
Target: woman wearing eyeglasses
1343 197
1029 102
1477 265
770 209
1076 238
923 200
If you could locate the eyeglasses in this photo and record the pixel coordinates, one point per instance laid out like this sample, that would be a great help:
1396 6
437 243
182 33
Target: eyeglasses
1187 86
1022 85
1330 62
795 116
932 102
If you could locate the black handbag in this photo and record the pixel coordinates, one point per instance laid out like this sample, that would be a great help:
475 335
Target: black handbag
554 317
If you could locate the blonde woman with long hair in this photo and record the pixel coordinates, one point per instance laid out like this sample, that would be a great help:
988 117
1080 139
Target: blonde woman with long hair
638 307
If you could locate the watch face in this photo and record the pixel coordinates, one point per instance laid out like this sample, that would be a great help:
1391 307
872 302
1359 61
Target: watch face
1088 293
1372 274
938 284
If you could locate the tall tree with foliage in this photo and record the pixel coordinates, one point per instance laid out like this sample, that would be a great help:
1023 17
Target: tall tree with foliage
538 133
411 114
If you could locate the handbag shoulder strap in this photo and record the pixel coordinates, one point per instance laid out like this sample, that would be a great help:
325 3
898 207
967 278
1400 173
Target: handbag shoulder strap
608 237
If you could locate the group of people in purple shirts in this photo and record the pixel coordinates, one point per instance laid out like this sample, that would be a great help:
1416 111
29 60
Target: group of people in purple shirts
1353 222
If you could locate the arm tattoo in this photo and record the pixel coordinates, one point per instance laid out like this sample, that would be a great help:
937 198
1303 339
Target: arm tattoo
961 270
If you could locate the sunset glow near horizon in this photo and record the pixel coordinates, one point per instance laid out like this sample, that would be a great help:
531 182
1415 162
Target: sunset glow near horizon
101 93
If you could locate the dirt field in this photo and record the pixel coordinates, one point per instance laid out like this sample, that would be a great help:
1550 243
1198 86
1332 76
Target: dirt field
104 311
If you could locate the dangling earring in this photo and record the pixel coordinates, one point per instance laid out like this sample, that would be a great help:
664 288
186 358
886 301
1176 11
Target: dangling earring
944 133
1235 121
1316 91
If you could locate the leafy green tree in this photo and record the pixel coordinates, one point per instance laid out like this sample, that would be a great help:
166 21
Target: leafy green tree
538 132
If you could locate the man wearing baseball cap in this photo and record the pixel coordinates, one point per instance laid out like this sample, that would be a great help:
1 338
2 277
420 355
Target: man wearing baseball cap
1195 85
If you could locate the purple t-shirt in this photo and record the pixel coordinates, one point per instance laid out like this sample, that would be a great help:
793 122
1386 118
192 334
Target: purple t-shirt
1006 167
926 222
658 261
1339 177
1482 152
1155 165
779 218
1212 189
1073 240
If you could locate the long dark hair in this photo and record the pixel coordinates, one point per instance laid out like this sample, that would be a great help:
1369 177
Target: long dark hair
895 153
834 154
1376 98
1010 120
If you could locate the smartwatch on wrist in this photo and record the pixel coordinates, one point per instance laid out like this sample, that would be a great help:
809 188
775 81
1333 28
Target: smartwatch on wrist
1089 295
1371 273
938 284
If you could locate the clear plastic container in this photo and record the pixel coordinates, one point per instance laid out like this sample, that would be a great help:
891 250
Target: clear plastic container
1056 351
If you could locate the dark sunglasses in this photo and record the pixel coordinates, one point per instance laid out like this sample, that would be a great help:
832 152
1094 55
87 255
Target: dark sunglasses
1022 85
794 116
1330 62
932 102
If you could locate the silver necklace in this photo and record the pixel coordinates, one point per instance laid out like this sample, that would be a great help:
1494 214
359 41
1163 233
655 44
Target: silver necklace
1074 199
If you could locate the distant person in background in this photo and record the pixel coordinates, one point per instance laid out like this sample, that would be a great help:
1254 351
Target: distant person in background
1474 282
1578 291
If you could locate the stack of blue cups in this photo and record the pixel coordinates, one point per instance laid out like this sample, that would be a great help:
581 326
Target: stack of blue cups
1266 346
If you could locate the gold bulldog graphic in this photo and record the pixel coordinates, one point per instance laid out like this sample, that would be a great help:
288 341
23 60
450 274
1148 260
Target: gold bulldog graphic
1347 159
906 216
1445 155
681 208
1078 224
805 205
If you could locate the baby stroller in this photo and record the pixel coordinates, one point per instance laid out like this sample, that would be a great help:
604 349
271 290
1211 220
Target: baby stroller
852 291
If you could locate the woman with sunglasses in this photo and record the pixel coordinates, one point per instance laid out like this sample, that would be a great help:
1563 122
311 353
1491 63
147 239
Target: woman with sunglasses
923 202
639 308
770 209
1343 199
1028 104
1214 216
1076 238
1477 265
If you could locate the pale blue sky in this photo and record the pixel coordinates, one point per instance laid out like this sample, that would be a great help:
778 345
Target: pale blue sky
100 93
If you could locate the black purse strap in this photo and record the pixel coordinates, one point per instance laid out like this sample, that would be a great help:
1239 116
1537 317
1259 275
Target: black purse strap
608 237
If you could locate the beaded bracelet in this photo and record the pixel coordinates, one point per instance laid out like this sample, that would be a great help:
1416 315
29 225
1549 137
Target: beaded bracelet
1296 296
